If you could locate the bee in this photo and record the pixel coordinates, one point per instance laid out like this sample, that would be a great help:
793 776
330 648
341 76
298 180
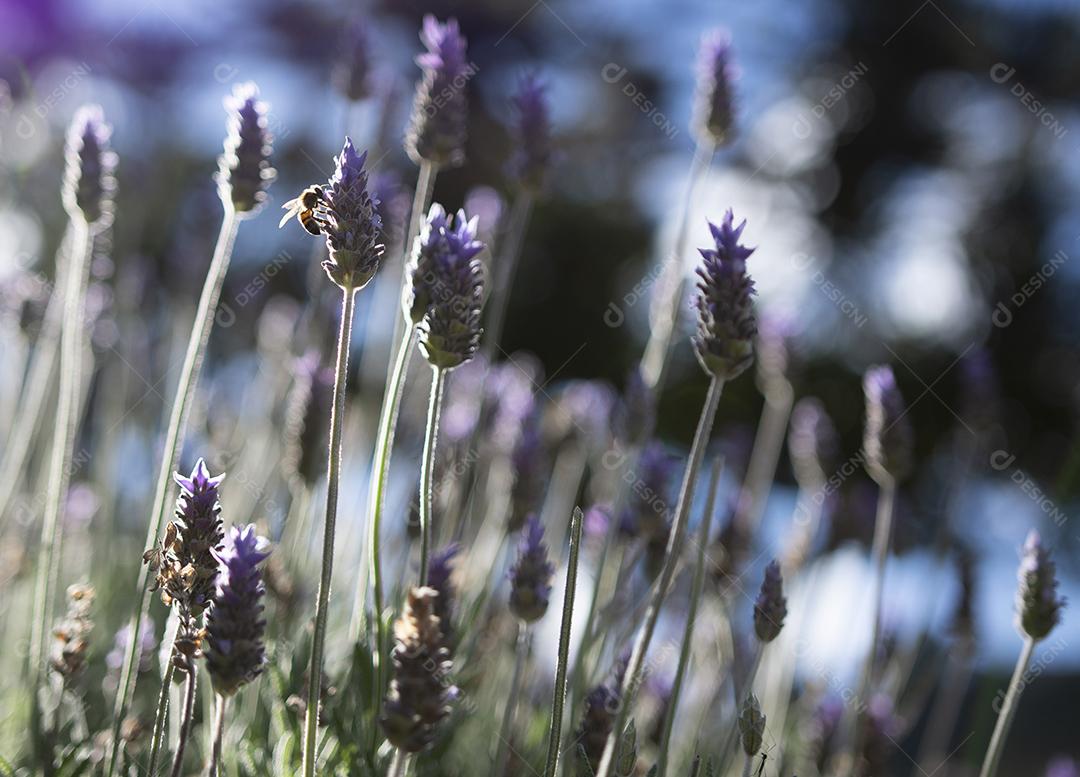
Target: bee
303 207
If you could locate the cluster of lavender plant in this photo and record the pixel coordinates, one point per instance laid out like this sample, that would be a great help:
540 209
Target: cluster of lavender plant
439 669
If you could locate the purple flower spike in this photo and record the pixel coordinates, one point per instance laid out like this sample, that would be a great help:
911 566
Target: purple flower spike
307 422
530 577
352 76
770 607
233 647
887 439
724 341
648 510
1038 606
349 216
437 129
532 134
89 184
440 567
446 288
244 170
713 104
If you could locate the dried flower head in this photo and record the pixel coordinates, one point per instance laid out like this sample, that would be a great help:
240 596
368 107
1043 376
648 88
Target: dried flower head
352 74
244 170
349 216
887 439
726 327
72 634
89 182
1038 606
445 291
530 577
770 607
714 112
233 645
307 422
420 692
437 128
812 443
751 725
532 134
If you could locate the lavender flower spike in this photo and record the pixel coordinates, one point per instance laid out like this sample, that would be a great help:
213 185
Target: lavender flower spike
349 216
244 170
437 129
887 439
446 288
530 577
770 607
307 422
532 134
713 109
724 340
233 645
1038 606
440 567
352 75
89 184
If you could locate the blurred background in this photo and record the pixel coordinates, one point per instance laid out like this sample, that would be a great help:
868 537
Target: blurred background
909 171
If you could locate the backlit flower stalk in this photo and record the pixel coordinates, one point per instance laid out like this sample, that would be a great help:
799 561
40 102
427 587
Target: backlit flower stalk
443 299
87 193
243 176
233 643
713 121
1038 611
887 444
346 214
724 344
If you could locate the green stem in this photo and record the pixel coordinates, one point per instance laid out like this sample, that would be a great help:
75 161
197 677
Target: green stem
399 764
333 477
555 733
632 680
160 717
185 721
1008 711
658 350
427 468
63 442
697 588
521 655
219 732
174 439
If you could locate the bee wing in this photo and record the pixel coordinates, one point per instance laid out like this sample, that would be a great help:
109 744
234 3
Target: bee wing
286 217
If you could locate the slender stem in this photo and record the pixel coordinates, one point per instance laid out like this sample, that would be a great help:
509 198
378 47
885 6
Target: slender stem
185 722
160 717
399 764
658 349
219 731
174 439
333 476
632 680
882 538
748 764
555 733
427 468
63 442
697 588
505 271
768 442
1008 711
521 655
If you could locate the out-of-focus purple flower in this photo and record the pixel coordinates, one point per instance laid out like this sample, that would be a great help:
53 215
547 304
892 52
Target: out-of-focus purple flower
770 607
532 134
881 729
437 129
461 413
445 291
597 521
1062 766
487 206
349 216
530 577
584 411
392 203
440 567
888 437
714 110
726 327
244 170
352 74
1038 606
511 391
775 333
307 422
233 647
648 505
89 182
812 443
114 659
597 721
635 414
527 467
822 729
